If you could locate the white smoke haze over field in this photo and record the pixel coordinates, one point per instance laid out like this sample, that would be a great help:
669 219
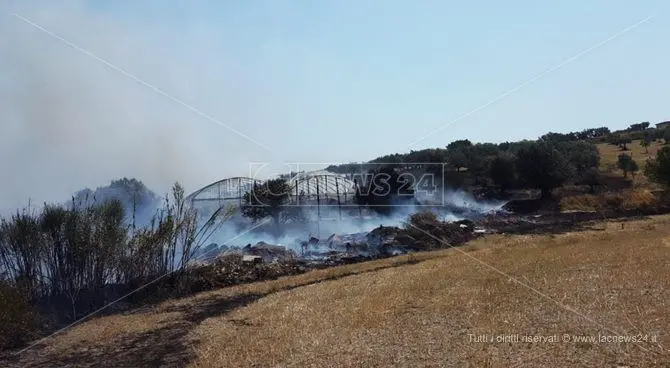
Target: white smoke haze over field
459 206
69 121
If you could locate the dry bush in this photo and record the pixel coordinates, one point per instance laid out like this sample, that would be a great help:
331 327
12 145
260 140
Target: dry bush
412 310
638 199
18 322
641 198
67 261
230 269
583 202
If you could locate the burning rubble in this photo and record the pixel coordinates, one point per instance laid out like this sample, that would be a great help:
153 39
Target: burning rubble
330 243
382 241
226 265
230 265
336 246
269 252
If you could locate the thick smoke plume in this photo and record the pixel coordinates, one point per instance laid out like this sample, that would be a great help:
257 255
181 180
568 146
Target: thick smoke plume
69 121
458 205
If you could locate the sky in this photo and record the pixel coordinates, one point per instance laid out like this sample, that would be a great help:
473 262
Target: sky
196 91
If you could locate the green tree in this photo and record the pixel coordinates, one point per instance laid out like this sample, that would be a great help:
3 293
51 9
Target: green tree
592 133
503 172
558 137
658 169
626 164
453 179
657 134
666 135
457 158
486 149
542 166
619 140
581 155
613 139
269 199
384 189
592 178
478 165
479 158
463 143
645 143
639 127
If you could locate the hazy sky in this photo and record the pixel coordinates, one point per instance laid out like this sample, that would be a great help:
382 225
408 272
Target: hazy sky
311 80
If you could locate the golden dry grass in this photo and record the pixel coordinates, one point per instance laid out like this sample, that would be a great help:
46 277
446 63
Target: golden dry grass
635 198
409 311
609 155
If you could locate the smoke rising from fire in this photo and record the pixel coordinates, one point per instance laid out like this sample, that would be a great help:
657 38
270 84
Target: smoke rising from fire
70 121
327 221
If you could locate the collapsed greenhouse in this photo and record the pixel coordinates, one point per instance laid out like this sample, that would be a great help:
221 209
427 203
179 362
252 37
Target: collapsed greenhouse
317 189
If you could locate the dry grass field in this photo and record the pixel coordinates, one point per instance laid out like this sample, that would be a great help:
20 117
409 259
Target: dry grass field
630 199
426 309
610 153
633 192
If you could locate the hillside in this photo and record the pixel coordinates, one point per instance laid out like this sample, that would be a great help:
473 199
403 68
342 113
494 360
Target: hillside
610 153
417 310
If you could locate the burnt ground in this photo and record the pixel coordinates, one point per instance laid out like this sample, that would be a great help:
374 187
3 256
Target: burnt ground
166 345
544 217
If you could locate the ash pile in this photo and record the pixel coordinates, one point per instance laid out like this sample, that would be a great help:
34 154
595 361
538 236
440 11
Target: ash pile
351 248
220 266
423 232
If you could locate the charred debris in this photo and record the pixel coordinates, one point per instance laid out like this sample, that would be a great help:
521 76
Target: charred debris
263 261
422 233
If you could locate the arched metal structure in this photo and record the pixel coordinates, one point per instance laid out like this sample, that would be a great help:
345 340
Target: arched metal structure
322 184
306 185
312 189
230 189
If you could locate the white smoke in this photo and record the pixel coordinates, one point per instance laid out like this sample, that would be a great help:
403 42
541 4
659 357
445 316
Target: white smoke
458 205
69 121
467 202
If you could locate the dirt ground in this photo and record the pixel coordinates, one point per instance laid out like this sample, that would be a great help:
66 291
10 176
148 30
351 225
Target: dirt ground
499 301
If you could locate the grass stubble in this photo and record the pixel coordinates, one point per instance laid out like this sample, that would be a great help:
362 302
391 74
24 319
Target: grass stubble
414 310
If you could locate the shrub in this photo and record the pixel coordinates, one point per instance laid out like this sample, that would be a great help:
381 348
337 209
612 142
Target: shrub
627 164
585 202
639 199
66 262
658 169
503 172
592 178
613 201
18 322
